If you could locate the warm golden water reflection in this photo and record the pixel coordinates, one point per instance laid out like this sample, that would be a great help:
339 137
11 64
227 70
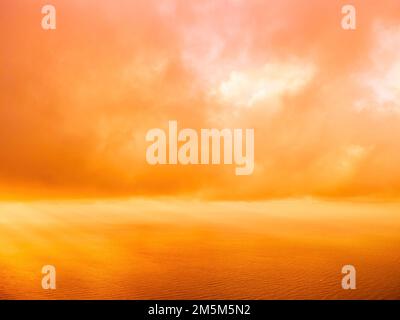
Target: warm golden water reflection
171 249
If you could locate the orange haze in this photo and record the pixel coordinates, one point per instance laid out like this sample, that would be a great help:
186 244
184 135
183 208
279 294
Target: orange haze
76 102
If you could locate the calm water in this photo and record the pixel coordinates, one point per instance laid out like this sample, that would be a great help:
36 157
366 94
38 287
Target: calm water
190 250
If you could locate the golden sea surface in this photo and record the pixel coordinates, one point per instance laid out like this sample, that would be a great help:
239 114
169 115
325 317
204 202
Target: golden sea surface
175 249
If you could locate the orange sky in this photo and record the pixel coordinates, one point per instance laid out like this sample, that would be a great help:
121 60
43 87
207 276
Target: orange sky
76 103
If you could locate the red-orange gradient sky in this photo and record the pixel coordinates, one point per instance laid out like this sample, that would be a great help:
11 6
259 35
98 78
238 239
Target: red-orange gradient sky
76 103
